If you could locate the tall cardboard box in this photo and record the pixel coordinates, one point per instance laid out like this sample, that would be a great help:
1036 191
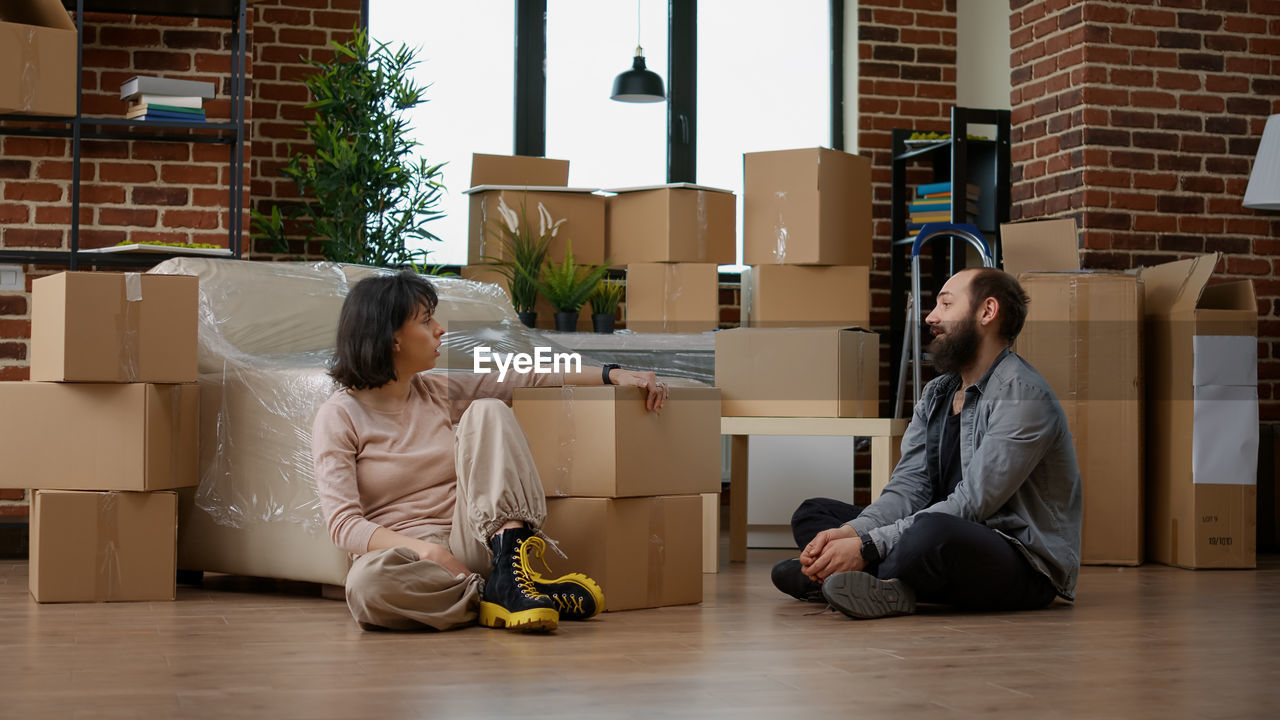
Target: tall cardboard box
92 436
38 55
673 297
798 372
546 314
114 327
806 207
1084 334
645 552
518 170
1202 419
793 296
581 209
601 442
676 223
103 546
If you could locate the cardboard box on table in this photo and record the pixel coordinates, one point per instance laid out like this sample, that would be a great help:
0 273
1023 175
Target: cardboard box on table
1083 333
798 372
518 170
114 327
644 551
673 297
38 54
581 209
806 207
103 546
98 436
795 296
546 314
602 442
675 223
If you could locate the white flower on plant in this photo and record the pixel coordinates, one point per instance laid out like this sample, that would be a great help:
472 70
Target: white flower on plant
544 218
508 215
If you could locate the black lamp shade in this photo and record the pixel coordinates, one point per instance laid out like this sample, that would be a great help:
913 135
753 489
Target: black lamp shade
638 84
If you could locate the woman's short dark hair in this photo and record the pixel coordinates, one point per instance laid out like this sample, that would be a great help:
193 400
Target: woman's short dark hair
374 310
1008 293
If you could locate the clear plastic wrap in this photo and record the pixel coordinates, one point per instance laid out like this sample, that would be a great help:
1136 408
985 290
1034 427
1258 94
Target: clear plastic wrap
266 337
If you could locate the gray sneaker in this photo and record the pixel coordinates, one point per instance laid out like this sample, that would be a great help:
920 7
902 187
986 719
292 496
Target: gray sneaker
863 595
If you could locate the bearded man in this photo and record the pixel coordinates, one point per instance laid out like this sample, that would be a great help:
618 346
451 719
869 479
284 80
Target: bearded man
983 511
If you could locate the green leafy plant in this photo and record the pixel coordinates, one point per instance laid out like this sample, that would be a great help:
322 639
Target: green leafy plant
364 193
567 285
523 253
605 297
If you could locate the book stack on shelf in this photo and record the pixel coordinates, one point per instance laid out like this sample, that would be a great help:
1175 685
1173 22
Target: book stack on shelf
933 204
157 99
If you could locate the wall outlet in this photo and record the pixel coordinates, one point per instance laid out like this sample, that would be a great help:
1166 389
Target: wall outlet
11 278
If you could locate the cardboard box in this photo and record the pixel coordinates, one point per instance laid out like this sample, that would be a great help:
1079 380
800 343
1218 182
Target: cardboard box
518 170
38 54
83 436
645 552
798 372
673 297
794 296
672 223
546 314
581 209
114 327
601 442
103 546
806 207
1202 416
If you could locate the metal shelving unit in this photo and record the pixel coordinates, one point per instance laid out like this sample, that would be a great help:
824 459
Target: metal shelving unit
80 127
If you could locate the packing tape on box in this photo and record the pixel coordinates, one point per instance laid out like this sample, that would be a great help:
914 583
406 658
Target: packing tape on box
657 555
132 320
566 442
704 224
780 235
107 579
29 78
672 288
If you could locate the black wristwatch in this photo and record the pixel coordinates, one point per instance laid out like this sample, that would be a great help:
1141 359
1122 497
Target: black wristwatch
604 372
870 553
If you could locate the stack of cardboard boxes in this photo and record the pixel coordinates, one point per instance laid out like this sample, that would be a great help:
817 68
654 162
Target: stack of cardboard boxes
103 433
624 486
671 238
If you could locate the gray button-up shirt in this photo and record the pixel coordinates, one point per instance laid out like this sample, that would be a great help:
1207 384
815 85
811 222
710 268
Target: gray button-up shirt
1018 469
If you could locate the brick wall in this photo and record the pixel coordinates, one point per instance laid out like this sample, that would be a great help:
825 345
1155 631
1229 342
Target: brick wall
1141 121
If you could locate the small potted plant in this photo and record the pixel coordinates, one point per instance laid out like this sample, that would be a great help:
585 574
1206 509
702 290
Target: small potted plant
567 285
604 301
523 256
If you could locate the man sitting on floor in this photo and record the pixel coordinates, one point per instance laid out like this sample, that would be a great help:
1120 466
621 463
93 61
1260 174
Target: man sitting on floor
983 511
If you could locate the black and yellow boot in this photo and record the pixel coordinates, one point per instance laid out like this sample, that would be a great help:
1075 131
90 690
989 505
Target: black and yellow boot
510 599
576 596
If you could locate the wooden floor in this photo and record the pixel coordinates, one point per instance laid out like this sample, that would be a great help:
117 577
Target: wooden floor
1141 642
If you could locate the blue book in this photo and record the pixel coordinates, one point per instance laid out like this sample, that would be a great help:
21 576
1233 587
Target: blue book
172 116
945 187
914 208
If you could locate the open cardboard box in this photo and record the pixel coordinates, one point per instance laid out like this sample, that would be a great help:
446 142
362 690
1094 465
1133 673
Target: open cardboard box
38 54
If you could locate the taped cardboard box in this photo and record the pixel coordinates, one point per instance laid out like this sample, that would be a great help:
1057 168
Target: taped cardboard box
546 314
794 296
673 297
601 442
494 207
806 207
38 54
132 436
114 327
676 223
645 552
1202 416
518 170
798 372
103 546
1083 333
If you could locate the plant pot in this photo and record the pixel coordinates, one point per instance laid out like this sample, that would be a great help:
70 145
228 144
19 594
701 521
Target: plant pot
602 323
566 322
530 319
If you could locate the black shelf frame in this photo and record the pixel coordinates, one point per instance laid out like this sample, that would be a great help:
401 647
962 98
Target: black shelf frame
960 161
79 127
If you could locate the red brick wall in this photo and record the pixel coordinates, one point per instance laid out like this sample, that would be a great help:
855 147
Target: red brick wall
1142 121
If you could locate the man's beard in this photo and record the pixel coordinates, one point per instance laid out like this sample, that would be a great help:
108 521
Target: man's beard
956 348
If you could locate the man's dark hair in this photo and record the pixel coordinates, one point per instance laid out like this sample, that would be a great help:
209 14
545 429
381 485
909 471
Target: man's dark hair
374 310
998 284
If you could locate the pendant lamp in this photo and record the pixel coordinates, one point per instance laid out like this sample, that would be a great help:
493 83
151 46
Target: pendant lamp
638 84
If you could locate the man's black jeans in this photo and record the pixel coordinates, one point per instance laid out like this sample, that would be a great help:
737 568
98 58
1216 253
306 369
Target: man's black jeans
945 559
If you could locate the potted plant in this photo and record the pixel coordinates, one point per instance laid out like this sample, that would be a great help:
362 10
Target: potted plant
567 285
604 301
523 255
